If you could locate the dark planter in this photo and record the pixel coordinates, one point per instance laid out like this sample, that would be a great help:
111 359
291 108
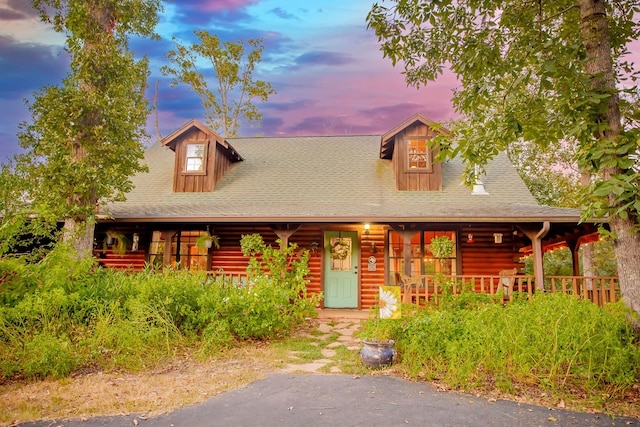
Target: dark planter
378 353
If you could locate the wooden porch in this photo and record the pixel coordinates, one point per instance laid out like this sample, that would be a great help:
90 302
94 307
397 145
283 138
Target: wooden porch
419 289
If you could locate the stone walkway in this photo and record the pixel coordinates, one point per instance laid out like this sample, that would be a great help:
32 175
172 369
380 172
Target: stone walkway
342 322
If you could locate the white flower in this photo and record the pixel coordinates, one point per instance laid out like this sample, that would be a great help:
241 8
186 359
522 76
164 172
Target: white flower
388 304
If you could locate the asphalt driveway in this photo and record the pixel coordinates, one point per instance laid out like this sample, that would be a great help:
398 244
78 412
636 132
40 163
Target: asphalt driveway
345 400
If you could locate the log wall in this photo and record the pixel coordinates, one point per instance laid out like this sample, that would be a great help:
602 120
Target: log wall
482 257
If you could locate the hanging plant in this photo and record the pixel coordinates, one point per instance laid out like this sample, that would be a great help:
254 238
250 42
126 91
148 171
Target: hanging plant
442 247
340 249
206 241
119 242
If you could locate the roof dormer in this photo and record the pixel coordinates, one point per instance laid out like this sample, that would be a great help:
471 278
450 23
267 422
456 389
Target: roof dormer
202 157
408 147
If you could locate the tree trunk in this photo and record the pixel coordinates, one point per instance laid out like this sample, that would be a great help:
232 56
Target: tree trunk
79 235
597 42
627 250
78 232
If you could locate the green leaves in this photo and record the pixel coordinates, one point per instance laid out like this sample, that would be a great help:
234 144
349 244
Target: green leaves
86 134
233 67
525 74
554 341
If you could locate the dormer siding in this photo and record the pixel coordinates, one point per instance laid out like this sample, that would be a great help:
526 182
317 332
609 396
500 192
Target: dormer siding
410 177
201 158
409 148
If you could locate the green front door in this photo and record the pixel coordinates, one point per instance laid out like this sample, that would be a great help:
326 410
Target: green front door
341 255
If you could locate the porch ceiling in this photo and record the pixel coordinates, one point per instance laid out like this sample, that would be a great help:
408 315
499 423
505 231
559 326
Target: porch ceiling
566 235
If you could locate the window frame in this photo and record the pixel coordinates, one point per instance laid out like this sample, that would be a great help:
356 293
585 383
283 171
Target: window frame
421 258
185 164
426 154
185 252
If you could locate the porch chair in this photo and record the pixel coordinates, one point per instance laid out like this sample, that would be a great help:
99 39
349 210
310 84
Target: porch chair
507 280
408 284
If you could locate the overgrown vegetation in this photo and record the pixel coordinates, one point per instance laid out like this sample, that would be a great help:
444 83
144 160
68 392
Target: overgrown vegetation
61 315
553 342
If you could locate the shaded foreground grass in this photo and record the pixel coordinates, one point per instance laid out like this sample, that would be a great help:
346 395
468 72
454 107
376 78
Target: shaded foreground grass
178 382
181 381
186 380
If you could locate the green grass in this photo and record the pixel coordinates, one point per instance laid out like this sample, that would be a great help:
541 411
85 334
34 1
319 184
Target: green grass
555 343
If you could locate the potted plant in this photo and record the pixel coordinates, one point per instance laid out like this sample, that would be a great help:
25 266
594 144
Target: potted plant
206 241
442 248
118 242
378 342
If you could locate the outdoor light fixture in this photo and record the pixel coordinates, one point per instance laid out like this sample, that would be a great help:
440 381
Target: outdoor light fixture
470 238
314 247
497 237
478 189
135 242
373 248
366 228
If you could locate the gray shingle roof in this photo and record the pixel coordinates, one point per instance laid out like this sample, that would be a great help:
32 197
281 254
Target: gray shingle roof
327 179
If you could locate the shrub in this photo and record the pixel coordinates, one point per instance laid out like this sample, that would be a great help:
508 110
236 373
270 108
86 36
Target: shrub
59 314
48 355
555 341
15 280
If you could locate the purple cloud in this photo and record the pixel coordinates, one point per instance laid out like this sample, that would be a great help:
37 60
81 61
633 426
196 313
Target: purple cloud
26 66
215 6
320 57
17 10
283 14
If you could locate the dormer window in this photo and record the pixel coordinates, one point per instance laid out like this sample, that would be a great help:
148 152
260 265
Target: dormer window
418 155
195 158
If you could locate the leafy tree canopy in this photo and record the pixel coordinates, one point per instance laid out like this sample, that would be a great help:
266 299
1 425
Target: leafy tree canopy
84 141
522 72
233 68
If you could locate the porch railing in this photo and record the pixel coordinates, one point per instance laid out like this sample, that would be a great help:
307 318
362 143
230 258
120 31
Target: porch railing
230 278
422 288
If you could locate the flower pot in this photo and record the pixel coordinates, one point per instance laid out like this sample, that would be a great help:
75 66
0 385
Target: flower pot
378 353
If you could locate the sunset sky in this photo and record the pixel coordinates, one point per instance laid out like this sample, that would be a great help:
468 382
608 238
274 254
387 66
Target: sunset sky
325 65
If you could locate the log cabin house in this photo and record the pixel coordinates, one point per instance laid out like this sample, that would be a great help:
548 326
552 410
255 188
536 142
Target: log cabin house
366 206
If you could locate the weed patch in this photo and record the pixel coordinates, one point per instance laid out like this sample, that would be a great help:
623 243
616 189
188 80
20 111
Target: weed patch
554 342
60 315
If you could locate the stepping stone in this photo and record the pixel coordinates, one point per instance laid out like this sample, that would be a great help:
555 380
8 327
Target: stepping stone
328 352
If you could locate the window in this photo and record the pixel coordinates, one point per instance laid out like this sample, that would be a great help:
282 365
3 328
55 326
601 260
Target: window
421 259
195 157
418 155
184 251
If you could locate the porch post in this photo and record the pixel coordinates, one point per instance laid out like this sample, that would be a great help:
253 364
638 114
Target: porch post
574 247
406 252
166 255
285 232
536 245
537 250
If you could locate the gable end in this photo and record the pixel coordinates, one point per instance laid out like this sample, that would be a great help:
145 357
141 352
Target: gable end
201 158
408 147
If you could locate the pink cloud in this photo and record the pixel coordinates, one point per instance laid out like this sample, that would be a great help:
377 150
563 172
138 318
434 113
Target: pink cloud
218 5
